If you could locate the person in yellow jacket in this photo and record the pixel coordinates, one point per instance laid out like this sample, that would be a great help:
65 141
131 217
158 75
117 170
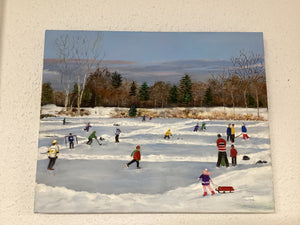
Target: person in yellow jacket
232 133
52 153
168 134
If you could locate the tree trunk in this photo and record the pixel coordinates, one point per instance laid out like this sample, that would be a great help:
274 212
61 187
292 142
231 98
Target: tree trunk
245 99
257 103
232 99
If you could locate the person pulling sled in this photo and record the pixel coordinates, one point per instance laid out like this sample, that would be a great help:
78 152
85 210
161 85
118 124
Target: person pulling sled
206 182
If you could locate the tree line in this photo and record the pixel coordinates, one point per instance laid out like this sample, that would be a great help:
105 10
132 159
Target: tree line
241 85
110 89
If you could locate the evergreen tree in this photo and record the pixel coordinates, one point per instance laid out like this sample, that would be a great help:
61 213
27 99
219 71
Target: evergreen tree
133 89
185 89
132 111
116 80
208 98
144 92
251 101
47 94
173 94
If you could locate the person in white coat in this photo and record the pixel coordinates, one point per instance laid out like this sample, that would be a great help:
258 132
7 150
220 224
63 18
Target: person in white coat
52 153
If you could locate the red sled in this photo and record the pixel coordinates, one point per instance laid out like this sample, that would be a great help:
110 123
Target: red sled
224 189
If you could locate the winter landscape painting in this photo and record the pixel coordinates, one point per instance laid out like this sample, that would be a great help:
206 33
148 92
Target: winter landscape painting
154 122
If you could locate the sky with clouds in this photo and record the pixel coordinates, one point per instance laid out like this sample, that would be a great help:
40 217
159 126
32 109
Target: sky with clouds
149 47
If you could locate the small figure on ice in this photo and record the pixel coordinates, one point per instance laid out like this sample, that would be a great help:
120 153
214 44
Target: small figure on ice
206 182
222 155
70 139
136 155
232 133
64 121
196 128
52 153
144 118
93 135
228 131
87 128
117 134
203 127
168 134
244 131
233 154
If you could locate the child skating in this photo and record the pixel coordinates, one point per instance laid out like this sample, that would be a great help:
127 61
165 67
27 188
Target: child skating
136 155
206 182
168 134
244 131
233 154
52 153
87 128
196 128
117 135
93 135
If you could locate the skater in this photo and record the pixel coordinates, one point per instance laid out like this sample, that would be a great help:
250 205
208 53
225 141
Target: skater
52 153
64 121
71 140
206 182
244 131
233 154
117 133
168 134
87 128
232 133
196 128
93 135
136 155
144 118
203 127
221 143
229 132
150 118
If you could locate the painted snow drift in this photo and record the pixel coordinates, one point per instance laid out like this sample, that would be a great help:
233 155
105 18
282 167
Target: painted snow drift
90 131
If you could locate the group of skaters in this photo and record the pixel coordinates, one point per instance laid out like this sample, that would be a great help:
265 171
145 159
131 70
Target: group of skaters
222 155
53 151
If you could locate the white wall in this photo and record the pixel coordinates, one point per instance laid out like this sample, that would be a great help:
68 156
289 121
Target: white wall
22 38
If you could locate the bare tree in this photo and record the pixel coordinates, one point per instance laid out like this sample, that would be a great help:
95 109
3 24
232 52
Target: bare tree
246 65
79 56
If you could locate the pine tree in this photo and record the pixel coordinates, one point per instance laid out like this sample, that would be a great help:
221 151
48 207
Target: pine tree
47 94
132 111
144 92
133 89
208 98
173 94
116 80
185 89
251 101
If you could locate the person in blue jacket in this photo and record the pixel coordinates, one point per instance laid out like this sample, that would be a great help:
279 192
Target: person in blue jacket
244 131
228 132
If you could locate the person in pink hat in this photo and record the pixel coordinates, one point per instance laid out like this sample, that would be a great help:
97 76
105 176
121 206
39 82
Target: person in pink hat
206 182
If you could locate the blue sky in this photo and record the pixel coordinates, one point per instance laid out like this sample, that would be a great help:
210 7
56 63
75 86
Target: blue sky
145 47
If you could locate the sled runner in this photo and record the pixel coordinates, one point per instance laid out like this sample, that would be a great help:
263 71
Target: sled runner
224 189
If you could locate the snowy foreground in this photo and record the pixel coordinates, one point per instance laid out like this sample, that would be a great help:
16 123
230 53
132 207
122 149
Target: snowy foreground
94 179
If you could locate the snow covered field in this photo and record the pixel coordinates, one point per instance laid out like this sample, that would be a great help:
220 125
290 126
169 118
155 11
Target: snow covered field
94 179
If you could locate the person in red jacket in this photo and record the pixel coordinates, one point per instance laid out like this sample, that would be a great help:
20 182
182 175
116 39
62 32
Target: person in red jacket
136 155
233 153
221 143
